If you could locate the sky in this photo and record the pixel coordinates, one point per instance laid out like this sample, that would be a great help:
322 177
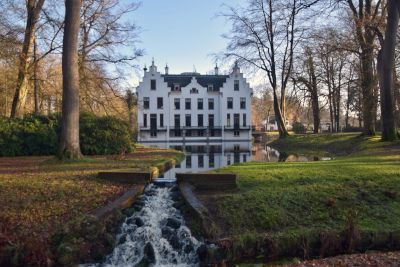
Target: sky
182 33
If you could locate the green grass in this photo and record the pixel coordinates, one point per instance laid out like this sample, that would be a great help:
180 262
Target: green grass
40 195
293 202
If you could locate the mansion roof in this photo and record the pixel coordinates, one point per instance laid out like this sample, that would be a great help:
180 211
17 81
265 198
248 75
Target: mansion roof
184 79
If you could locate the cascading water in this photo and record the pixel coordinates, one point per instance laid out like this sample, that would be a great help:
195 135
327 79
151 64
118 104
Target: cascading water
155 235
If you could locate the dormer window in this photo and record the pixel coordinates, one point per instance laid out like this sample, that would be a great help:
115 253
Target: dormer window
177 87
210 88
194 91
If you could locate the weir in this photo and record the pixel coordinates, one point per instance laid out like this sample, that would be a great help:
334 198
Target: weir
155 234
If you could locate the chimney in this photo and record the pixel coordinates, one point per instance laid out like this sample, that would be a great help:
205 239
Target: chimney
166 69
216 69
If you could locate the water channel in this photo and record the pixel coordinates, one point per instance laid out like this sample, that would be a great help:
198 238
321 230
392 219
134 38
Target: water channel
156 234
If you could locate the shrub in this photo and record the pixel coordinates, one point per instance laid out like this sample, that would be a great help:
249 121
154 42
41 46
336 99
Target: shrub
38 135
103 135
33 135
299 128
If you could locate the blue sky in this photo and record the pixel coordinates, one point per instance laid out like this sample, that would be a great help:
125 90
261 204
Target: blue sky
182 33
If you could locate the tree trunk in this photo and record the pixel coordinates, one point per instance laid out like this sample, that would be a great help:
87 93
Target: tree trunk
283 133
21 91
69 142
369 101
36 84
385 67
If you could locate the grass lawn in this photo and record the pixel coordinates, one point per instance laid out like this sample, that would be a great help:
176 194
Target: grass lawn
315 208
38 195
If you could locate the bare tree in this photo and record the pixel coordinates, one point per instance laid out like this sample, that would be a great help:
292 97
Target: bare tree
69 141
386 58
264 35
367 15
311 84
33 8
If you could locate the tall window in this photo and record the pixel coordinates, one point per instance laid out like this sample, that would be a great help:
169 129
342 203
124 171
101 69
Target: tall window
210 103
228 120
153 84
153 125
200 104
146 102
200 120
211 161
187 103
177 121
244 119
161 120
145 120
188 120
160 103
211 120
230 103
177 103
243 103
201 161
210 88
188 161
236 85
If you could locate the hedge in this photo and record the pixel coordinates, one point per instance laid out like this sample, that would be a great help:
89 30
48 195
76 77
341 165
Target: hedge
38 135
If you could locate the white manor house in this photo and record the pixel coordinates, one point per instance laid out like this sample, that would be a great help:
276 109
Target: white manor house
191 107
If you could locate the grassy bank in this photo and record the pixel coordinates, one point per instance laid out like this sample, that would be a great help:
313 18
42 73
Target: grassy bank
314 208
39 196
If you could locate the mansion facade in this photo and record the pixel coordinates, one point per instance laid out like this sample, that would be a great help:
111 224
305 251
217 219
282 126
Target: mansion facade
191 107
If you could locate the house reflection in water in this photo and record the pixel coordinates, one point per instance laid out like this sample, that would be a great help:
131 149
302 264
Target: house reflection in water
202 157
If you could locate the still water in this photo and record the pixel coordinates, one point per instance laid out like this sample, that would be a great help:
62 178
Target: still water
202 157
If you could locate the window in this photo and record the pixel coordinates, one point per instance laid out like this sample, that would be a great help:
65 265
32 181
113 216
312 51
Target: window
236 133
201 161
176 87
200 104
210 88
236 121
236 148
211 120
177 103
244 158
188 103
188 120
230 103
200 120
244 119
236 85
146 102
188 161
211 161
210 103
194 91
161 120
177 120
145 120
153 125
243 103
228 120
153 84
229 159
160 103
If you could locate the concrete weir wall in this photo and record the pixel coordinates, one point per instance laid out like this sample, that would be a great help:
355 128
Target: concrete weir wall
208 181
